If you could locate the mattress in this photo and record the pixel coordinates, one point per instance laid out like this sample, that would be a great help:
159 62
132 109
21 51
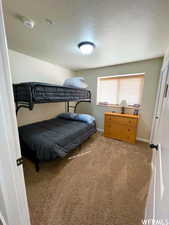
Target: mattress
36 92
47 140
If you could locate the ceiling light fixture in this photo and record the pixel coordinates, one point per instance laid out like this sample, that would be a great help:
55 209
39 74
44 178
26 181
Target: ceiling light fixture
86 47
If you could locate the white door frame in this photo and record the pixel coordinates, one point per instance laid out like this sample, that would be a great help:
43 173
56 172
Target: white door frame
13 201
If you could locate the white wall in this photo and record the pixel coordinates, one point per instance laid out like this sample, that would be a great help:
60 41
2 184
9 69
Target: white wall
24 69
151 68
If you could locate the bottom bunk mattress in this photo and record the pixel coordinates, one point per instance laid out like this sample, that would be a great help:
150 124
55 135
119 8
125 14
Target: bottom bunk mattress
49 139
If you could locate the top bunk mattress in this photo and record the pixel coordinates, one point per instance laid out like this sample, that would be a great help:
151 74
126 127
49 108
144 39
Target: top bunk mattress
42 93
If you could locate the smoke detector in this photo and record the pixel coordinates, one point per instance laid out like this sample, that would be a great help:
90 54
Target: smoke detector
49 21
28 23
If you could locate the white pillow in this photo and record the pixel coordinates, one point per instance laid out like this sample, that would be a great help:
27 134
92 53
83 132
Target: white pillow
78 82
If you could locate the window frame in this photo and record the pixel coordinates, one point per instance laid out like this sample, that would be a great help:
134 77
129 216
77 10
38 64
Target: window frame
116 77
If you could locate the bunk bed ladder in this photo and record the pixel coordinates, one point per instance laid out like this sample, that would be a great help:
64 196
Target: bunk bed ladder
69 107
74 107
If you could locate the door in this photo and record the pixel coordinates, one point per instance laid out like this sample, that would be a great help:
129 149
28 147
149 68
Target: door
13 201
162 161
162 89
158 199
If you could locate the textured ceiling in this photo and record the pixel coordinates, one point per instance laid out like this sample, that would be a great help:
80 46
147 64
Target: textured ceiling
123 30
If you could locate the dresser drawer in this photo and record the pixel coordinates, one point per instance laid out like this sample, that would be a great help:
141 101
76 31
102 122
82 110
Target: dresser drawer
123 121
123 132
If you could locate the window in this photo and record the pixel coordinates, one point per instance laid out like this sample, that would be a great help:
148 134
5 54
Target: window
112 90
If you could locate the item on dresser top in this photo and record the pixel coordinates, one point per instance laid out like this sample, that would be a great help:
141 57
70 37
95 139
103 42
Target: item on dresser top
136 110
78 82
123 105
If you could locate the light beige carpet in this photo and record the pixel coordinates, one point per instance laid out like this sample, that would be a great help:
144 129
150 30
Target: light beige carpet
106 184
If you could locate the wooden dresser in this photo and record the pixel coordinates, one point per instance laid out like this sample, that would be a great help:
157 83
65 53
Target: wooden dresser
121 126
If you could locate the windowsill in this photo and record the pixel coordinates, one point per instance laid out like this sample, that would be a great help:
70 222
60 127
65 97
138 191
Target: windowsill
116 106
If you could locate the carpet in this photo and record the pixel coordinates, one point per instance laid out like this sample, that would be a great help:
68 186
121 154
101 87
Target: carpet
104 182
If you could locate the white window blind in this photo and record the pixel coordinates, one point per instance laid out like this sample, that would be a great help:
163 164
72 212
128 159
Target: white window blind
112 90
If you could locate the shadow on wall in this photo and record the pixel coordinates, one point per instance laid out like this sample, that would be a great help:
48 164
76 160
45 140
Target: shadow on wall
37 71
39 113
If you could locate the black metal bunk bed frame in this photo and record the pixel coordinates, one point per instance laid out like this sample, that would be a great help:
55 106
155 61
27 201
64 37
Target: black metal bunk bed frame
30 103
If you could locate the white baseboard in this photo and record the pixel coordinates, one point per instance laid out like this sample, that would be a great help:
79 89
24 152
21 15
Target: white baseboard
138 138
143 140
100 130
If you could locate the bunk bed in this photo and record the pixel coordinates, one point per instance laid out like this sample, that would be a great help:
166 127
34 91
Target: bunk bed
56 137
29 93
